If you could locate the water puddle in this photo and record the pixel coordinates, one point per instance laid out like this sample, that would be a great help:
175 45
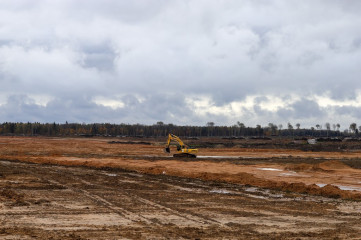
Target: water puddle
111 174
345 188
135 174
220 191
257 196
265 193
6 162
288 174
252 189
348 188
270 169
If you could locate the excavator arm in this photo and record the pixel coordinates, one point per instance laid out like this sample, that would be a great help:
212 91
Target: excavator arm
182 149
175 138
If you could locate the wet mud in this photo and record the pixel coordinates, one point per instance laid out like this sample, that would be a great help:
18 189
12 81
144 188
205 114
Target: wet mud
64 188
58 202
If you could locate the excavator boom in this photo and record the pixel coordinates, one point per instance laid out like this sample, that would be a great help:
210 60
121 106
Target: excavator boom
182 149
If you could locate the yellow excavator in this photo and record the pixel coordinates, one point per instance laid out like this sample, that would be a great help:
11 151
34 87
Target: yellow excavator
182 149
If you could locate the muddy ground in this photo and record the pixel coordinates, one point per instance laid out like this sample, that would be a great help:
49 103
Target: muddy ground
60 188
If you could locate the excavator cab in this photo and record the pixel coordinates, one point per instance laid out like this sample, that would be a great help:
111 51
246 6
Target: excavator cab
182 149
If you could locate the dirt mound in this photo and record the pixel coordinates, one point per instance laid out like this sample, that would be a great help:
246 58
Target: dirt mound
239 178
304 167
332 165
299 167
251 180
324 166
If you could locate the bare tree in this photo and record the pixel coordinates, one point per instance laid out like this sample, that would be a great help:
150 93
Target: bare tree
273 128
258 129
210 126
241 127
280 126
290 128
353 127
328 127
318 127
338 128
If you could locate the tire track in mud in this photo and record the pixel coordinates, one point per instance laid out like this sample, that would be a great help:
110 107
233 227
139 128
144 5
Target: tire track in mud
135 217
176 185
102 201
76 175
136 197
96 198
185 214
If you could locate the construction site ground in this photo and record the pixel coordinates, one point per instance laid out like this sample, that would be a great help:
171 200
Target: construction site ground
127 188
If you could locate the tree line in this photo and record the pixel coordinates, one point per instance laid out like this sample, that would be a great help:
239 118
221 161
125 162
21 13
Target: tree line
161 129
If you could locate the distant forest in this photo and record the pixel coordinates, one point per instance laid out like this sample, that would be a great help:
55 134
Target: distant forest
161 129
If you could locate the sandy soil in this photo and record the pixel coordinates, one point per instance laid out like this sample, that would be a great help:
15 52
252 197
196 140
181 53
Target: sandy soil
135 191
56 202
319 173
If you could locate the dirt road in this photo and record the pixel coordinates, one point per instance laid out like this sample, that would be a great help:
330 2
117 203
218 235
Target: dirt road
58 202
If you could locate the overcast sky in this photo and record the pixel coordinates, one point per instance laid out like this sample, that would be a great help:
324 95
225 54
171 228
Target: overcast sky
181 62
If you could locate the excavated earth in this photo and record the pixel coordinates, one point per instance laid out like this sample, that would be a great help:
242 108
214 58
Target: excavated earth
101 188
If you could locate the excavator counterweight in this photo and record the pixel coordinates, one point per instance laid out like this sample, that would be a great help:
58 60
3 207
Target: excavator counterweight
182 149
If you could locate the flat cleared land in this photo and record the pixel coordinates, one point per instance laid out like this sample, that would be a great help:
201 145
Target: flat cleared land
73 188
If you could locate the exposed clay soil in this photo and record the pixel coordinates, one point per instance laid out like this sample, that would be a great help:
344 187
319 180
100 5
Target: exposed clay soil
92 189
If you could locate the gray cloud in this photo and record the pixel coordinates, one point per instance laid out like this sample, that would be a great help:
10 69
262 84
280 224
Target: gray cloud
305 108
151 56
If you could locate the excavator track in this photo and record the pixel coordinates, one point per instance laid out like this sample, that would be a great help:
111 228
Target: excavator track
184 155
183 150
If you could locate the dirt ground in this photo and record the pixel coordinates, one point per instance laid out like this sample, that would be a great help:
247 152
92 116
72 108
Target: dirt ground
77 188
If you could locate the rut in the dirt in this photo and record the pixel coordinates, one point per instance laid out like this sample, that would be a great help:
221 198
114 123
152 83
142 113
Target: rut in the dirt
76 202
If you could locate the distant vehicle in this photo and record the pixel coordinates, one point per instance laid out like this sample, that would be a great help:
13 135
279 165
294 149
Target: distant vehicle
312 141
182 149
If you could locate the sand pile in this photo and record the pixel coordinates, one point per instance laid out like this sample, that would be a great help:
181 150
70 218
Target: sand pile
299 167
324 166
333 165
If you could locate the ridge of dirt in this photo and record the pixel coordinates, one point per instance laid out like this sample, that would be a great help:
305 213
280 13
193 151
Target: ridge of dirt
333 165
251 180
156 168
323 166
99 153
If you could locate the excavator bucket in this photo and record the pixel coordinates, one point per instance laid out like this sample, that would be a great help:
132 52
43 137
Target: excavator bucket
167 150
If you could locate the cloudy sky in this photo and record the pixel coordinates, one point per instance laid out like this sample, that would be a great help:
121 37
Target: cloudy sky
182 62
